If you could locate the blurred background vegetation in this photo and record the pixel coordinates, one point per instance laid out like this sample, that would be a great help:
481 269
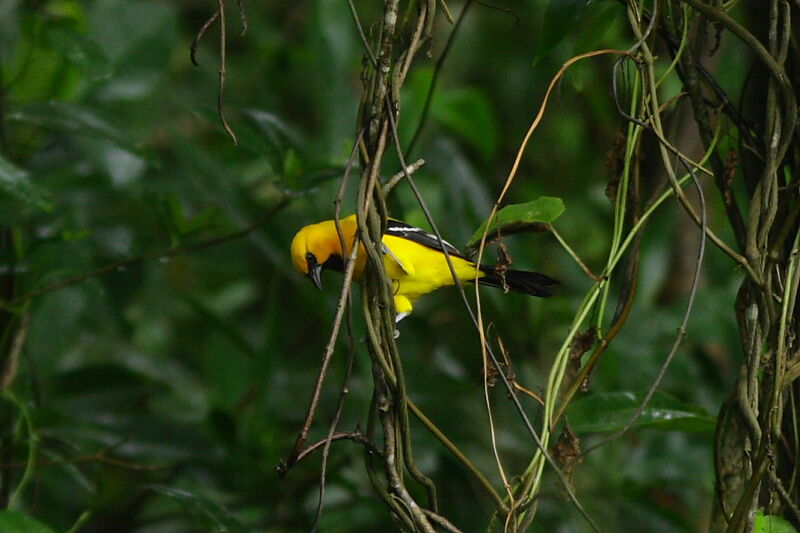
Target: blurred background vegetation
159 393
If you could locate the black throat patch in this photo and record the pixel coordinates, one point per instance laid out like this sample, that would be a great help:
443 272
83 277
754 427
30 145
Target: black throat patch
334 262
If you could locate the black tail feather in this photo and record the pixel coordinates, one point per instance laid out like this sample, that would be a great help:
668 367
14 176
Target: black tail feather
532 283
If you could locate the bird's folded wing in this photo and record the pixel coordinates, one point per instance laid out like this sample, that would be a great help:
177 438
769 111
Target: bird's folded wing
389 252
420 236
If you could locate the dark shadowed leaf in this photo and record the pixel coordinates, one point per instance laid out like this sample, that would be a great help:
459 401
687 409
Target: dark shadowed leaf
17 182
209 513
595 23
469 113
560 17
81 51
275 131
513 218
610 411
71 119
123 27
14 522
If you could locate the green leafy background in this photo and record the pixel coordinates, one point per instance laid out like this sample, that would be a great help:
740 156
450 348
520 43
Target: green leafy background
163 393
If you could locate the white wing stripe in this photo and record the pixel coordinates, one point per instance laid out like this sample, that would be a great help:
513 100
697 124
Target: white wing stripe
407 230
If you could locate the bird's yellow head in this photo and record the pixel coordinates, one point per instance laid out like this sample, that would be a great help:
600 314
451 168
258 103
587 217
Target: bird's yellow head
316 247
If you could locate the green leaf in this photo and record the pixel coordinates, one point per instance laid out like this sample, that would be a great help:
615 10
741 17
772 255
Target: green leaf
14 522
515 217
181 226
610 411
136 24
595 23
17 182
79 50
73 119
469 113
292 166
560 18
211 514
771 524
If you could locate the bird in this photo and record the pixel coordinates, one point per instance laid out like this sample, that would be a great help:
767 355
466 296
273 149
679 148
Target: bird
413 258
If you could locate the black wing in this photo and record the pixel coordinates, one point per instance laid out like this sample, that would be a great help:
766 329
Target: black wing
420 236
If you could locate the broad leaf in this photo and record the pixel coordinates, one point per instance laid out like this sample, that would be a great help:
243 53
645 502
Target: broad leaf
207 511
469 113
560 18
518 217
771 524
595 23
17 182
14 522
72 119
610 411
80 51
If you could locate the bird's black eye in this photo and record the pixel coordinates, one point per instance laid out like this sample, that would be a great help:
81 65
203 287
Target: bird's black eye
310 257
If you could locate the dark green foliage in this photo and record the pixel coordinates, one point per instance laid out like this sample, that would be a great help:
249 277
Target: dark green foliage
169 355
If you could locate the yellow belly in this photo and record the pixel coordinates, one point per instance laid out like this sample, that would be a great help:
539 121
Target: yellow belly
413 268
416 270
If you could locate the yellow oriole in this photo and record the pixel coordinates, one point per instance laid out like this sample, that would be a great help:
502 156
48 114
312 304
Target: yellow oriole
413 259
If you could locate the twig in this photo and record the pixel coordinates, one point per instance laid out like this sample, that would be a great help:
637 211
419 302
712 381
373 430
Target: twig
777 71
459 455
441 521
219 14
199 35
97 457
502 9
17 342
484 343
221 91
656 120
242 17
294 455
679 337
572 253
528 392
394 180
33 446
787 498
351 352
163 254
81 521
540 441
360 28
436 71
355 436
3 134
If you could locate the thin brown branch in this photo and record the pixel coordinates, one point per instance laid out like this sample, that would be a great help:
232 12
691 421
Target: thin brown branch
15 350
222 60
776 69
97 457
355 436
242 17
199 35
394 180
476 320
436 72
571 253
163 254
344 295
3 134
294 455
351 352
657 128
441 521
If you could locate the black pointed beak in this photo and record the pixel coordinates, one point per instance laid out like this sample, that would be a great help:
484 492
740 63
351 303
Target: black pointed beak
315 272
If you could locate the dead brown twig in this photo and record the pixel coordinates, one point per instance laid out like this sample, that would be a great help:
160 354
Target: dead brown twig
219 14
